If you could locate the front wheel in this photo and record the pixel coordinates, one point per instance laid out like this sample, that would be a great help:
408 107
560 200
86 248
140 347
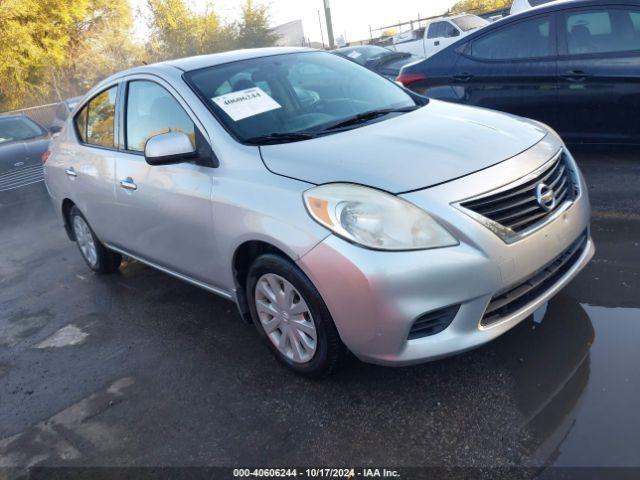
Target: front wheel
95 254
291 316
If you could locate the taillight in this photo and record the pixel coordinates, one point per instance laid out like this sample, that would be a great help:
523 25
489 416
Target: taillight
407 79
45 156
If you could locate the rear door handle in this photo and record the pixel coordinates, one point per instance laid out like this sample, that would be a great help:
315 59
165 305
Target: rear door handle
576 75
462 77
128 184
71 172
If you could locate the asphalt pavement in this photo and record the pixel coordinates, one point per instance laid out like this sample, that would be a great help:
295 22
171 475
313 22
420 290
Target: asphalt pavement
140 369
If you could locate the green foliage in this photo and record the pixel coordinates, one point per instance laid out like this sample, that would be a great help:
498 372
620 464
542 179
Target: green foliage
479 6
55 49
34 36
253 31
177 31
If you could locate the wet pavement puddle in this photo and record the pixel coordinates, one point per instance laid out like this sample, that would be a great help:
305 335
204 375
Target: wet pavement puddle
578 385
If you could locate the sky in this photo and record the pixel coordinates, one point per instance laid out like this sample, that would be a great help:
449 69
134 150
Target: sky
349 17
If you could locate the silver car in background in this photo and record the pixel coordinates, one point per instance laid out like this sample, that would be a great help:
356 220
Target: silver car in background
338 210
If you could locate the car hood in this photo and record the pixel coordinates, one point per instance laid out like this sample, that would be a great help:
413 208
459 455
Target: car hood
432 145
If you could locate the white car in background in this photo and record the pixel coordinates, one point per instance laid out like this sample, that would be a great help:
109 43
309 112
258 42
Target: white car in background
438 34
521 5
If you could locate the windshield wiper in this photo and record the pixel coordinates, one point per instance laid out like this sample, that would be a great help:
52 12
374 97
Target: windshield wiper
366 116
272 138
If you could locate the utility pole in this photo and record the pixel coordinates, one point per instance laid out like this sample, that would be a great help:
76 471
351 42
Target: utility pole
327 15
321 34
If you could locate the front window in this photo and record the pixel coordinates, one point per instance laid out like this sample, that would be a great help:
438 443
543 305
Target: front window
18 128
438 29
287 94
151 110
603 31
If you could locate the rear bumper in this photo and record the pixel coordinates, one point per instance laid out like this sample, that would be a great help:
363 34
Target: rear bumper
375 297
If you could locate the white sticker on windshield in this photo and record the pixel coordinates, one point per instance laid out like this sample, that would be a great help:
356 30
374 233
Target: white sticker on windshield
354 55
246 103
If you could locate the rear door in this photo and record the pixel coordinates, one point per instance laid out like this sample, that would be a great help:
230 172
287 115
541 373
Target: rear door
599 74
163 213
513 69
88 165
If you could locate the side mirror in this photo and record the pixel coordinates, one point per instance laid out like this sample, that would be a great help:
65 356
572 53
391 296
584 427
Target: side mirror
454 33
55 129
168 148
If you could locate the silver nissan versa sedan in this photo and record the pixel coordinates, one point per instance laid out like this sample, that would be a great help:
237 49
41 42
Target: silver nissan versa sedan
338 210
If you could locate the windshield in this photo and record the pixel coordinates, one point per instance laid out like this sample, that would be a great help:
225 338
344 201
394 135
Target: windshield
293 93
469 22
18 128
362 55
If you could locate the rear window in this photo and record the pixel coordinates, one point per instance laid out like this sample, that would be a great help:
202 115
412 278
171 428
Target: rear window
469 22
18 128
95 123
527 39
537 3
80 121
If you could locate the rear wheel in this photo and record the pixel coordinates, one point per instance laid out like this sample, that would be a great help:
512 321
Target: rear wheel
95 254
291 316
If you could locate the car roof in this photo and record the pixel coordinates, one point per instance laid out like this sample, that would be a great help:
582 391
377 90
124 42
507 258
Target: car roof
202 61
565 4
558 5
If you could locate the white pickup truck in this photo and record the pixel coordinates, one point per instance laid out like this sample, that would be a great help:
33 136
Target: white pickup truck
438 34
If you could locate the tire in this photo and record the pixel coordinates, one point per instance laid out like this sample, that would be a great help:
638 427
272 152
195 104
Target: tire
95 254
328 353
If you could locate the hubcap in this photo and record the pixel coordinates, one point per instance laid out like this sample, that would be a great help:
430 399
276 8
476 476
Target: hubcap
85 240
286 318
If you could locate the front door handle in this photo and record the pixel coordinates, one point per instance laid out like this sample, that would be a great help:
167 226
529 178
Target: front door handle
576 75
128 184
436 43
462 77
71 172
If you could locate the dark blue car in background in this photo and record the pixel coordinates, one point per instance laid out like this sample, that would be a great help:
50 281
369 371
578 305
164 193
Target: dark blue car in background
22 144
573 65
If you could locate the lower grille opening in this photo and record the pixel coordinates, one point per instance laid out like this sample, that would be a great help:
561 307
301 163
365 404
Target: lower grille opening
433 322
507 303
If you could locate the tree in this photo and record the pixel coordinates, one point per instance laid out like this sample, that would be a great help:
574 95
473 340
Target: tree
479 6
55 49
52 49
34 36
99 45
176 31
253 29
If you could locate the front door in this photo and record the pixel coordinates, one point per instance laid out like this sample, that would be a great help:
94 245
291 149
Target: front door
164 213
599 74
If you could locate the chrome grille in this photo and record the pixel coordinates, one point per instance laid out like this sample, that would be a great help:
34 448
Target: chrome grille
21 177
519 208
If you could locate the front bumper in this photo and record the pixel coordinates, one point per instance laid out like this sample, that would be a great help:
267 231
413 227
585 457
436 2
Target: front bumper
374 297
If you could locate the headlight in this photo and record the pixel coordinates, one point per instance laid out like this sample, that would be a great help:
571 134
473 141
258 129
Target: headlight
374 219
